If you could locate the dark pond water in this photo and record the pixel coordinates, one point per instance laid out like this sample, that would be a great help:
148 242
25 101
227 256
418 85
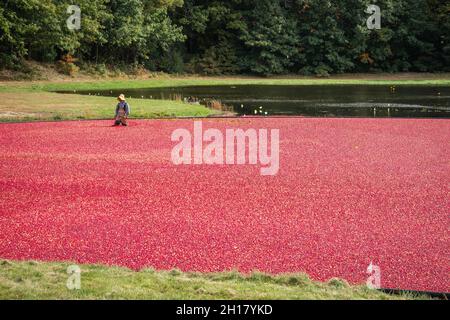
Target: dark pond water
315 101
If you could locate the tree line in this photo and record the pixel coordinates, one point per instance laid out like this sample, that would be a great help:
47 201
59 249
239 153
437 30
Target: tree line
264 37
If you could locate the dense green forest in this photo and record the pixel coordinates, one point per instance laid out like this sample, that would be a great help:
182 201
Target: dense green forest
265 37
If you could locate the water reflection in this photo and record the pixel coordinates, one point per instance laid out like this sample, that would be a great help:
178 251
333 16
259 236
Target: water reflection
315 101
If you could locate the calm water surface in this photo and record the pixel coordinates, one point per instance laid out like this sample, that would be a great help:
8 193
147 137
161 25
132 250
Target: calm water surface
315 101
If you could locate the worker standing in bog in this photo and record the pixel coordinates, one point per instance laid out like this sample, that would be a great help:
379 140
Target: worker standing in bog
122 111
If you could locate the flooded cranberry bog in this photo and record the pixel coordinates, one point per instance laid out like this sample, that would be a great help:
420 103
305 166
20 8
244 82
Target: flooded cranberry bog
350 192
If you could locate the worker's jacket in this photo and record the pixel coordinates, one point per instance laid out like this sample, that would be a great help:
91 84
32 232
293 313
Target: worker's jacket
122 107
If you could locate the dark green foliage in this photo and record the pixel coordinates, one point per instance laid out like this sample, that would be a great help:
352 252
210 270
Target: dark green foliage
270 38
213 29
440 16
314 36
219 37
326 29
113 31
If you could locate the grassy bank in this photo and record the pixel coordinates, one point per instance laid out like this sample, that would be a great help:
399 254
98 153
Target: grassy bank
36 280
166 81
30 106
